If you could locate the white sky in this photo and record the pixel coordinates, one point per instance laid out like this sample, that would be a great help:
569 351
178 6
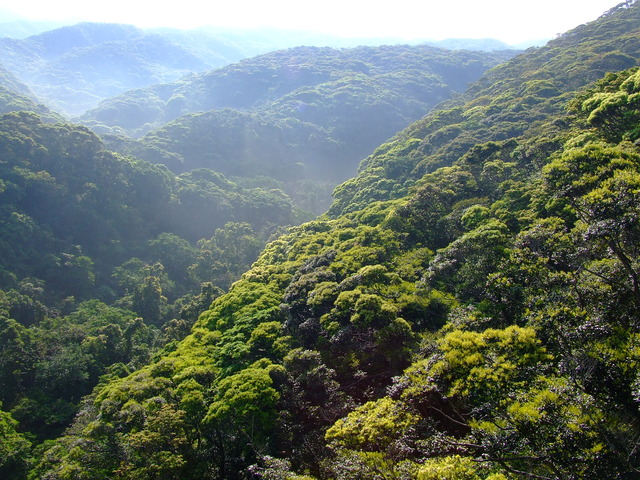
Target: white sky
511 21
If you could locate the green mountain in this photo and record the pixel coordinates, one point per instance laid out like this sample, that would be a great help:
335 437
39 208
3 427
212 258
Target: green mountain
467 309
304 116
108 258
307 72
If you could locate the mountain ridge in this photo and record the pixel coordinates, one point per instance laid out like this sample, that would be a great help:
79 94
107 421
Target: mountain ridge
55 64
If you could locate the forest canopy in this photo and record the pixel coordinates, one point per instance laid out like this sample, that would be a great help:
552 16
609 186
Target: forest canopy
467 309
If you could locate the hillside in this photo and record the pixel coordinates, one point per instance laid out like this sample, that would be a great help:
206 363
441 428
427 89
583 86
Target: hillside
303 117
16 96
467 310
105 260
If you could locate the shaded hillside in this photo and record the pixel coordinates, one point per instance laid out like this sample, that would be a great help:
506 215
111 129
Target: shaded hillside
303 116
16 96
105 259
469 311
75 67
59 184
78 222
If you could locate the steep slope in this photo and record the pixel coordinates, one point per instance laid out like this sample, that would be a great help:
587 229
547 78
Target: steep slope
470 313
507 102
16 96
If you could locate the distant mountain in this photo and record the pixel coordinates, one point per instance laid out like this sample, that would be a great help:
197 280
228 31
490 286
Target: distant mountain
483 44
256 41
14 26
25 28
75 67
257 82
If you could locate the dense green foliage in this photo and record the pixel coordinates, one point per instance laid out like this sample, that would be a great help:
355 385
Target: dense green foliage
72 211
467 310
82 228
81 223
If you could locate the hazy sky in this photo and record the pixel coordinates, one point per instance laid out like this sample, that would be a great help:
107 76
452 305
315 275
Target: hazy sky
511 21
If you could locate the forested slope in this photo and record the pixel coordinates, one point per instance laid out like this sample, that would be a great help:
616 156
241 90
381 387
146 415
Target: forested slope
104 260
16 96
468 310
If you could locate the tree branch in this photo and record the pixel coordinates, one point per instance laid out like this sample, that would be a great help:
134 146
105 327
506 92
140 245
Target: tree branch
465 425
503 462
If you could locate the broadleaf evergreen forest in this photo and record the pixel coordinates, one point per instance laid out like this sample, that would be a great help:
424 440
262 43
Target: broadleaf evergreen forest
176 302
